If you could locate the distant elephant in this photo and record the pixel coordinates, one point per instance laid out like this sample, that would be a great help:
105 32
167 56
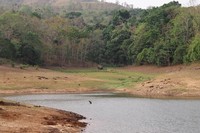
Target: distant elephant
100 67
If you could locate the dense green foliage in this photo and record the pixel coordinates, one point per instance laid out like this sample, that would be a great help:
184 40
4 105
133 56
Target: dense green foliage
50 35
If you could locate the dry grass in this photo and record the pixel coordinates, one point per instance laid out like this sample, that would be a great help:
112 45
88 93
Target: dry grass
32 79
145 80
76 80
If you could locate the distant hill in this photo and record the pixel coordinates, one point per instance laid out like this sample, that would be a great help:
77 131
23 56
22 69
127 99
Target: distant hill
70 5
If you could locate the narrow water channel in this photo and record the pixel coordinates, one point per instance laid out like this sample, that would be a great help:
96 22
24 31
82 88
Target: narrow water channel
110 113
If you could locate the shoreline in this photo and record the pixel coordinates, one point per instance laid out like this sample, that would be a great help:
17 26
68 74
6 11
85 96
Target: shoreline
177 82
126 92
58 91
144 81
63 123
17 117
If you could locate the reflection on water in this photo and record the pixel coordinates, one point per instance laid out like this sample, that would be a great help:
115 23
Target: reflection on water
109 113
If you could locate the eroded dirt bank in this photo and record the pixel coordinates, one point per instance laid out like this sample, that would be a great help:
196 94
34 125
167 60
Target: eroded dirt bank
176 81
18 118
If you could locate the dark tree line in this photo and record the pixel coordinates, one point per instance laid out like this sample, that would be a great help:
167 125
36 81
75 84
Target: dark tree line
163 36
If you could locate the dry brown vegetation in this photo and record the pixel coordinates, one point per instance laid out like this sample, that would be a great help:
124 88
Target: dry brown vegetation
30 80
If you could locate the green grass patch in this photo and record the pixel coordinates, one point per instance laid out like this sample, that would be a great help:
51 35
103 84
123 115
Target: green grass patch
111 78
80 70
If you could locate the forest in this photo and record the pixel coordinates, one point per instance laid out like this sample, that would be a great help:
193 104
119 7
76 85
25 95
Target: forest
95 32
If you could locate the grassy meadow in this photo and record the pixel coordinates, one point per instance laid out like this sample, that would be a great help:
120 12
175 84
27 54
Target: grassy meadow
87 78
111 78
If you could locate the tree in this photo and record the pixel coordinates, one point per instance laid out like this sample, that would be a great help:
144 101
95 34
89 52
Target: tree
120 17
146 56
29 55
73 15
193 53
7 49
114 47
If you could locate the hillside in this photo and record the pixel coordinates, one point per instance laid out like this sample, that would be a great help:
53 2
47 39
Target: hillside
69 5
84 33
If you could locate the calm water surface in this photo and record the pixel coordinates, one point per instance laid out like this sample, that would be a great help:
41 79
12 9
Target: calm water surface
109 113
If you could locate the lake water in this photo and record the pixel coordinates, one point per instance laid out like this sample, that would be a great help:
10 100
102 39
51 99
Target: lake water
110 113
